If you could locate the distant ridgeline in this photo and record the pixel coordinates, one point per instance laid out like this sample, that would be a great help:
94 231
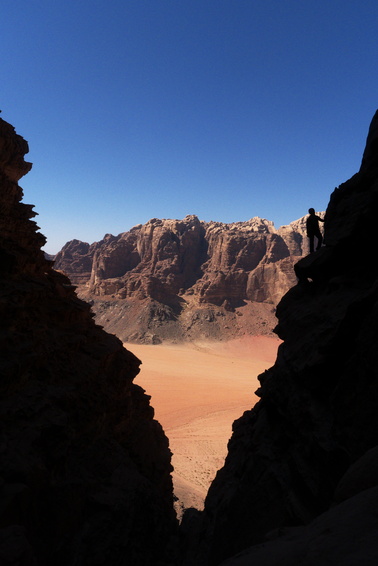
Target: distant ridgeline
187 279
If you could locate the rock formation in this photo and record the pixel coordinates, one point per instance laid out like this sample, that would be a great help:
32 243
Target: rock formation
84 469
187 279
311 441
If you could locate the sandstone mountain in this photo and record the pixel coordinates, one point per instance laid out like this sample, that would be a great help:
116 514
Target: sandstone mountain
187 279
84 468
301 476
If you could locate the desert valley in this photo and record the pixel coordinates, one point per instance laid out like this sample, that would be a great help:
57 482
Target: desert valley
195 302
197 390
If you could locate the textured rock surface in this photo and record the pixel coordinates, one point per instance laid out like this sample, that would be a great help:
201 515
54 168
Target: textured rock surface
345 535
318 410
84 469
185 279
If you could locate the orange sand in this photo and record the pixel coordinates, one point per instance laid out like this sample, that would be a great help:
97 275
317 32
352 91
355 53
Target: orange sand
197 391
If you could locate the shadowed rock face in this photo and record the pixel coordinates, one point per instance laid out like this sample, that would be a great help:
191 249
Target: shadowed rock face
187 270
318 410
84 469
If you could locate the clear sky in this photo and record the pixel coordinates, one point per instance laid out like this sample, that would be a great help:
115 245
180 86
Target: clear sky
227 109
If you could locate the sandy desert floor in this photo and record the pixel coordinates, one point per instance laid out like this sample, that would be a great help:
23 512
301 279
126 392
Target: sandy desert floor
197 391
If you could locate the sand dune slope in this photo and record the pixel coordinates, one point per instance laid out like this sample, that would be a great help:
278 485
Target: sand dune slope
198 390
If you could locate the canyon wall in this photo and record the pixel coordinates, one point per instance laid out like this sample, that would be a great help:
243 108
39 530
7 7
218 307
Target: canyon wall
307 453
85 468
187 279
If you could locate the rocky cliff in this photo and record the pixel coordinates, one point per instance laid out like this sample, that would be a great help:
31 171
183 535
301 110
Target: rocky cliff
84 469
307 453
187 279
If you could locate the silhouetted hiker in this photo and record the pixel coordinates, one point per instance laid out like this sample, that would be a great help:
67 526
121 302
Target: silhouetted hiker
312 225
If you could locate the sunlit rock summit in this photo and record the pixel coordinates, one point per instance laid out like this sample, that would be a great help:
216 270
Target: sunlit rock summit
187 279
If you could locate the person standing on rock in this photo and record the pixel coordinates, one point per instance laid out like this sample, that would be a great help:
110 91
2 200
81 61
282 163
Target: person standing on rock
313 230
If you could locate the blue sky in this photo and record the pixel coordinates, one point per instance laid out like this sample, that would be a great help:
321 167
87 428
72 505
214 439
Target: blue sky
227 109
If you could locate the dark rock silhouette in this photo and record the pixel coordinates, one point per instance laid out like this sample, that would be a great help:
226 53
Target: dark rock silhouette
84 468
187 279
317 416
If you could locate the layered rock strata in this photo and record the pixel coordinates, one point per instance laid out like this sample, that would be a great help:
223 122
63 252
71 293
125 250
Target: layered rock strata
187 279
84 468
317 418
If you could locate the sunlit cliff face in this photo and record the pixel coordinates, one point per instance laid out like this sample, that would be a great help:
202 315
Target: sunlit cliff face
185 280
